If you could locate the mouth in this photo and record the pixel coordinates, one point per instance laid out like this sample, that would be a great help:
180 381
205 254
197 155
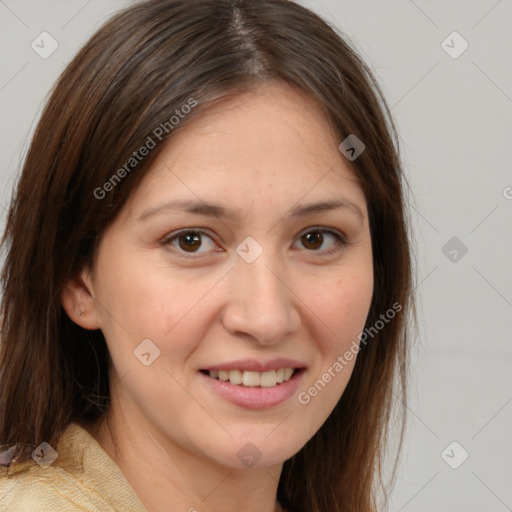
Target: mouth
253 384
253 379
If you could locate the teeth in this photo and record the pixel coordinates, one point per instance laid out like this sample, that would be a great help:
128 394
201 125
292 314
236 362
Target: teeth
268 379
235 377
288 373
253 379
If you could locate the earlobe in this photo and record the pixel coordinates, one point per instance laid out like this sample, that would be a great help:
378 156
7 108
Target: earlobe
79 303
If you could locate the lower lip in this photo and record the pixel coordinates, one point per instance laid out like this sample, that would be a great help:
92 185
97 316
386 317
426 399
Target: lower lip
255 397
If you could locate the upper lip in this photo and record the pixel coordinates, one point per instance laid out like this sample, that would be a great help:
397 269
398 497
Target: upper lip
253 365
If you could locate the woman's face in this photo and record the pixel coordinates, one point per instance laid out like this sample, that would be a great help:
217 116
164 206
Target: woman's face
274 273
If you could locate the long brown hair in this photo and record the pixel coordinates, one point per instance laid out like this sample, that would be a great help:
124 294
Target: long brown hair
130 78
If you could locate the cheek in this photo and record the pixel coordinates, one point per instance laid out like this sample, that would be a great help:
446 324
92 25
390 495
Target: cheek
145 293
145 298
343 305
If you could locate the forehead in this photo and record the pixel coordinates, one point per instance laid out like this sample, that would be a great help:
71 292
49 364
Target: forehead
268 147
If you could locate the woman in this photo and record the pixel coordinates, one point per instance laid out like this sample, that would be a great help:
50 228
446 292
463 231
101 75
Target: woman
208 273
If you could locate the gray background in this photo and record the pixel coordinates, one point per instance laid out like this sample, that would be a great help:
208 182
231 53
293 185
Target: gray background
454 118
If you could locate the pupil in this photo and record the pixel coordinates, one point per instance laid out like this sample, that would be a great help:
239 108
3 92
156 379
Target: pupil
189 241
314 238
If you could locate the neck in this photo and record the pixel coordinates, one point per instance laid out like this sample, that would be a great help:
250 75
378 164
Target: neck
169 477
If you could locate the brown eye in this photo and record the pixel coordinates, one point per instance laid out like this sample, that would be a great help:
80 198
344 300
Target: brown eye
312 240
191 241
317 240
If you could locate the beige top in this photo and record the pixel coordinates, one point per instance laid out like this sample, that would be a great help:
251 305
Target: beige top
83 478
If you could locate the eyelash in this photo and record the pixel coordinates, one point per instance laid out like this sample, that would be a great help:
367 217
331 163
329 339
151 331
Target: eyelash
340 241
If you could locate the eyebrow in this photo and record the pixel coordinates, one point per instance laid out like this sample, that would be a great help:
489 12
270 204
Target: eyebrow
216 210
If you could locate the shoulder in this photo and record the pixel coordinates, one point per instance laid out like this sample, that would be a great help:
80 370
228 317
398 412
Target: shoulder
58 483
76 476
31 488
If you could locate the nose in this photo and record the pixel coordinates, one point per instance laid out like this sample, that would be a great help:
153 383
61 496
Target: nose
262 305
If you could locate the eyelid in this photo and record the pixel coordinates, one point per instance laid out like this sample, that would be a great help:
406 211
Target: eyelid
181 232
341 240
323 229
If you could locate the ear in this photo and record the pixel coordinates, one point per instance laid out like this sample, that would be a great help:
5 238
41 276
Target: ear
78 300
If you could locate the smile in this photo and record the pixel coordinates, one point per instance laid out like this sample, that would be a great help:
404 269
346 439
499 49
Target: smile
251 389
253 379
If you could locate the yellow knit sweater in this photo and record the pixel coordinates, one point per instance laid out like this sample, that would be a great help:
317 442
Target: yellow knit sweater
83 478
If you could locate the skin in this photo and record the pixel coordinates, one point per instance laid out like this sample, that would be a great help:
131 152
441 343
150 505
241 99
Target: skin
260 153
